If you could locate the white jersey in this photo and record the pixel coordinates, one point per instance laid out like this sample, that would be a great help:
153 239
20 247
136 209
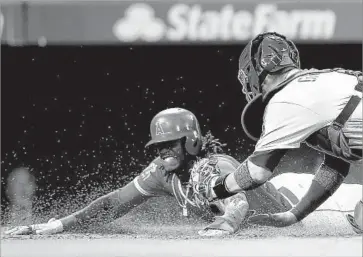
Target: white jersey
306 105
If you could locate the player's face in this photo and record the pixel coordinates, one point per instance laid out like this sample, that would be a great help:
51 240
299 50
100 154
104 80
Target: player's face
172 153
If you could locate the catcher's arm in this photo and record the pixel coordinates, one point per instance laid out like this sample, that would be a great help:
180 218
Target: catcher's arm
252 173
326 181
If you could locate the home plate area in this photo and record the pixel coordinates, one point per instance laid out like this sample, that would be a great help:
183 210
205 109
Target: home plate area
162 232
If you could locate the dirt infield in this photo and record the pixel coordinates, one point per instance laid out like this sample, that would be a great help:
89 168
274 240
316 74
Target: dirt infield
321 234
154 230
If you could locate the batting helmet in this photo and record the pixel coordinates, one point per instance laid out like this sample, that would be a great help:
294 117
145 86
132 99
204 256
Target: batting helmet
266 54
176 123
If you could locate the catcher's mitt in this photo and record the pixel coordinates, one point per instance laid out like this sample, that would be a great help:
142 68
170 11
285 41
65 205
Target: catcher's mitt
201 175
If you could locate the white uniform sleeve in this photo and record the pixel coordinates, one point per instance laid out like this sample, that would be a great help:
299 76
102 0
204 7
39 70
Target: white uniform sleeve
287 125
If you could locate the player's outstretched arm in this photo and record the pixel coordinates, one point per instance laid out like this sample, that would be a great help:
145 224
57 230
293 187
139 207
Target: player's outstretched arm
101 211
107 208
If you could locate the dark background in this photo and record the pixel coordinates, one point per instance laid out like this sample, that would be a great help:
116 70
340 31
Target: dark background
79 116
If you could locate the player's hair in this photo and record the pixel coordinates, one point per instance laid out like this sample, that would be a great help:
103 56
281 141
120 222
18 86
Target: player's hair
210 145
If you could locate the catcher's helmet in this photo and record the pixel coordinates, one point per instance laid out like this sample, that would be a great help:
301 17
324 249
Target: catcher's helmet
266 54
176 123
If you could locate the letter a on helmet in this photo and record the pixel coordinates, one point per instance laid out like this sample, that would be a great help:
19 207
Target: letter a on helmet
176 123
159 129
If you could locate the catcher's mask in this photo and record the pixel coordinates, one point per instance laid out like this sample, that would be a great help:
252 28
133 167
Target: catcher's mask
267 53
176 123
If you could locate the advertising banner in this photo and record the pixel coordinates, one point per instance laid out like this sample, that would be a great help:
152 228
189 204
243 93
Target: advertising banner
190 22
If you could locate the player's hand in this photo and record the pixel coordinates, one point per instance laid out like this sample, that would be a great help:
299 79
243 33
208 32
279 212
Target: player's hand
282 219
52 227
19 230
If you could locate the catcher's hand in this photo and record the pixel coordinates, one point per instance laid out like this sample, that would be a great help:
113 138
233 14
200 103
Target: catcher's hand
282 219
52 227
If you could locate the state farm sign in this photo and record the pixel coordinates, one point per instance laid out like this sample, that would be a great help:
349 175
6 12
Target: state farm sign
185 22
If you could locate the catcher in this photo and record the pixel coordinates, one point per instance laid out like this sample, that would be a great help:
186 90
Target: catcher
187 163
288 106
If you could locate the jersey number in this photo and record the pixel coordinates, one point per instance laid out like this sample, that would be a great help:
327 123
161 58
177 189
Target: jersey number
147 172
